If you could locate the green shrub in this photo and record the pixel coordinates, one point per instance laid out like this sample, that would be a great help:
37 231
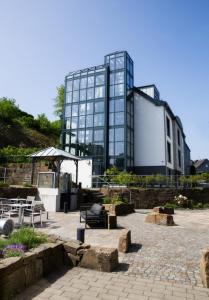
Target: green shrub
171 205
106 200
27 184
3 184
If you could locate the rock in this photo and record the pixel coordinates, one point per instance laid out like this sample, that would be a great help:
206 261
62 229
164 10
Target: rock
163 210
112 221
100 259
72 247
160 219
158 209
124 241
204 268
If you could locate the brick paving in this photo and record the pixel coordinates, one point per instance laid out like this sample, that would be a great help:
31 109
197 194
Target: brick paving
161 253
84 284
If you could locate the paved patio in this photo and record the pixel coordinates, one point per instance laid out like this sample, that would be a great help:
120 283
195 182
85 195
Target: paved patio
163 262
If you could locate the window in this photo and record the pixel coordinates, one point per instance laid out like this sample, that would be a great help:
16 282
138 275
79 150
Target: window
82 109
100 79
178 137
119 62
98 136
74 124
89 136
82 95
69 85
75 96
73 137
112 93
76 84
119 90
179 158
90 93
69 97
67 124
75 110
111 119
81 136
119 77
111 135
68 111
169 152
99 120
111 148
83 83
89 121
99 92
67 138
119 118
112 80
168 127
119 105
119 134
99 107
82 122
111 106
90 81
89 108
119 148
112 64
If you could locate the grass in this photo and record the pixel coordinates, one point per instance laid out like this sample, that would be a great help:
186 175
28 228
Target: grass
28 237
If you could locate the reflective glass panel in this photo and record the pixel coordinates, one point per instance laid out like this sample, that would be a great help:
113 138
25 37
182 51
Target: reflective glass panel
90 93
89 121
112 81
119 148
74 109
74 124
69 97
99 106
119 62
112 64
119 105
82 95
99 120
119 77
111 119
99 92
111 106
67 138
98 135
73 136
119 90
82 121
112 94
99 149
100 79
89 108
90 81
69 85
68 111
67 124
111 135
111 148
76 84
119 134
75 96
82 109
81 136
119 118
83 83
89 136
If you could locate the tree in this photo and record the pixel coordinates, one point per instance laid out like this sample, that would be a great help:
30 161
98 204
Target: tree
8 109
44 123
59 100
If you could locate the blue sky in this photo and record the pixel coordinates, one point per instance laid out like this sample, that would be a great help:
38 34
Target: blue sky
42 40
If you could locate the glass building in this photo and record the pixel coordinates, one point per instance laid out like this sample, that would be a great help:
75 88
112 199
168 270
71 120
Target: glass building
99 113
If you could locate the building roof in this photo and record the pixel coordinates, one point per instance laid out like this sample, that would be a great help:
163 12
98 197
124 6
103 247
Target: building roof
53 153
199 162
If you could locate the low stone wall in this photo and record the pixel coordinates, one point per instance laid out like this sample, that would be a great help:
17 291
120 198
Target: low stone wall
119 209
14 192
17 273
149 198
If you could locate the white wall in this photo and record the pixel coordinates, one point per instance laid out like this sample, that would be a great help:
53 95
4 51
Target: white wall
149 134
84 171
149 91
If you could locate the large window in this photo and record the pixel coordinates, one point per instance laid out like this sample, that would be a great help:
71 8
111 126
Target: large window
76 84
89 108
100 79
99 92
75 110
83 83
82 95
179 158
98 135
75 96
69 85
89 121
90 93
69 97
99 120
168 127
90 81
99 106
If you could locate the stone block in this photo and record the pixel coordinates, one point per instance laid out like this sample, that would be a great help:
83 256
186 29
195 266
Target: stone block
112 221
163 210
124 241
72 247
158 209
160 219
204 268
100 259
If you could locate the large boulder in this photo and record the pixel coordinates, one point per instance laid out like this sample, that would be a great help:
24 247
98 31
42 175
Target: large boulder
160 219
204 268
100 259
124 241
163 210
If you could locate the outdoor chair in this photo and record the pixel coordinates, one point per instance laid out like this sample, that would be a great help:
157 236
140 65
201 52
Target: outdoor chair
37 210
8 211
95 215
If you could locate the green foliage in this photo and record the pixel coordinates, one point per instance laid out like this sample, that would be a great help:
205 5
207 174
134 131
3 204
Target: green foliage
27 185
106 200
59 101
124 178
11 154
171 205
117 199
3 184
27 237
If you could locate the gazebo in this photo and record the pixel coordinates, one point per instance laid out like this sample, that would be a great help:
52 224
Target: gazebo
56 157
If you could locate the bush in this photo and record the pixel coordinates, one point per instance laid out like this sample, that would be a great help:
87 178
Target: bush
171 205
3 184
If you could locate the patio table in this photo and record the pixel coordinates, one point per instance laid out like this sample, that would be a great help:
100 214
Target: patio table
21 210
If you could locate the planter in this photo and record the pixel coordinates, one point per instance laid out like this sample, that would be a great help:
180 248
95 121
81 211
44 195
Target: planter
119 209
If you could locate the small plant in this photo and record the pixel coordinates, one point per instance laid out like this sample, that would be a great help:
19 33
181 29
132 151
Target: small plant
183 201
3 184
106 200
171 205
14 250
27 184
